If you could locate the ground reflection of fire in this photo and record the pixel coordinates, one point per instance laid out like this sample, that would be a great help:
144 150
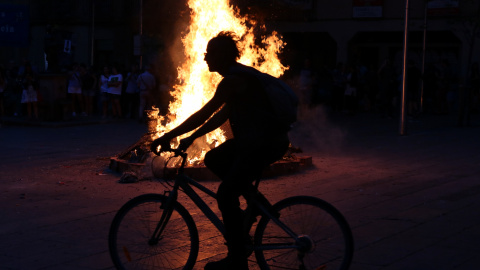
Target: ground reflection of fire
197 84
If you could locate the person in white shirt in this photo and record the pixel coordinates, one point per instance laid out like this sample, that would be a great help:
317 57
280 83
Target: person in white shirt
103 85
115 90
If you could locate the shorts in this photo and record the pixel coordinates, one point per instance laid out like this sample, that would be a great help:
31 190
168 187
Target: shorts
29 95
88 93
74 90
104 96
114 96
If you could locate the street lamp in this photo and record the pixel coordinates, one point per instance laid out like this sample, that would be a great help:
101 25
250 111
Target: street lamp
141 32
424 50
404 72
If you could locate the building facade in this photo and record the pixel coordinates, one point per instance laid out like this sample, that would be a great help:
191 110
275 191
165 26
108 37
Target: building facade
63 32
371 31
102 32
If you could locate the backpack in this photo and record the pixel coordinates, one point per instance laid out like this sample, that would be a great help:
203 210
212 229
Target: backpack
283 100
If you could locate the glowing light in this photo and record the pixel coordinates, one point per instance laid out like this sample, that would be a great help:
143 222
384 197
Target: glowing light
208 18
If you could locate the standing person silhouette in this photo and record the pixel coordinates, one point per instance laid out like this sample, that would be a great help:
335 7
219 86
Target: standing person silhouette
257 140
147 84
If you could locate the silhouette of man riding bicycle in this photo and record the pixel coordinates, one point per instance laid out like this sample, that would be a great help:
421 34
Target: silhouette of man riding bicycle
241 99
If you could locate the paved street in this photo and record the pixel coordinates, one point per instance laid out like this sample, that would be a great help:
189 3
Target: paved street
412 201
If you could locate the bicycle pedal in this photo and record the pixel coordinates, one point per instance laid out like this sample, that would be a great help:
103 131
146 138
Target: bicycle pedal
275 214
166 194
249 250
248 245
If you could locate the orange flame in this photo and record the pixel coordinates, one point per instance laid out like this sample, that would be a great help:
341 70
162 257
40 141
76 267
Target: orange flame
197 84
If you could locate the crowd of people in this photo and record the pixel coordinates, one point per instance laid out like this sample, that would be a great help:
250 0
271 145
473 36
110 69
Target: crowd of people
111 93
354 88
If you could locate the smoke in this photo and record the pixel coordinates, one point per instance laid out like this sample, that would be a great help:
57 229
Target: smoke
313 132
175 47
165 22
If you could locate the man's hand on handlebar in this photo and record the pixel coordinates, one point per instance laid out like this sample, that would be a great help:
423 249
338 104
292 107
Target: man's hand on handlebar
163 142
185 143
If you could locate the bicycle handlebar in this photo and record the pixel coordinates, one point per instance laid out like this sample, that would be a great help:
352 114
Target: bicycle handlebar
177 153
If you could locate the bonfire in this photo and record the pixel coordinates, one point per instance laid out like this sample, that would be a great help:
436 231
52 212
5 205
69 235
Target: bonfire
197 84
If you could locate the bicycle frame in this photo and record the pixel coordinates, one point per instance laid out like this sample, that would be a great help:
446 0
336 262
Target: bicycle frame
185 183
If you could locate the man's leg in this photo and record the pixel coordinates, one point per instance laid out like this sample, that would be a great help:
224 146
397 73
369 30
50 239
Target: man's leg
222 160
237 165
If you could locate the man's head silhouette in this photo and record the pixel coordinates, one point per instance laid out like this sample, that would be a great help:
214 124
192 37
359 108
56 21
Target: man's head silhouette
222 52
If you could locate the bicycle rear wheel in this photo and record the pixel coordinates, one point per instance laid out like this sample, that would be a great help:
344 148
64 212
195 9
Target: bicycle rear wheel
324 239
133 227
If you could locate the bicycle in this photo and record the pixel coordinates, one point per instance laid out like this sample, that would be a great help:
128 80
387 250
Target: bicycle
155 231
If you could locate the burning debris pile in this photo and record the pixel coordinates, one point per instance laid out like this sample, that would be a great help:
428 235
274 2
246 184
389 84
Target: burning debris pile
138 162
197 84
137 158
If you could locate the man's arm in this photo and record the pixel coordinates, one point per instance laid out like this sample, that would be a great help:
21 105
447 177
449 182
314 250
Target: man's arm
213 123
195 120
210 111
198 118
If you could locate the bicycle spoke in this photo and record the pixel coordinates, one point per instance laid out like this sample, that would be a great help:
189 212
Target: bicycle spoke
323 237
132 230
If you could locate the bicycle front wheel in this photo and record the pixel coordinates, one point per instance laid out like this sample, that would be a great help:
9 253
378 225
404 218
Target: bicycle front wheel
131 231
323 239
